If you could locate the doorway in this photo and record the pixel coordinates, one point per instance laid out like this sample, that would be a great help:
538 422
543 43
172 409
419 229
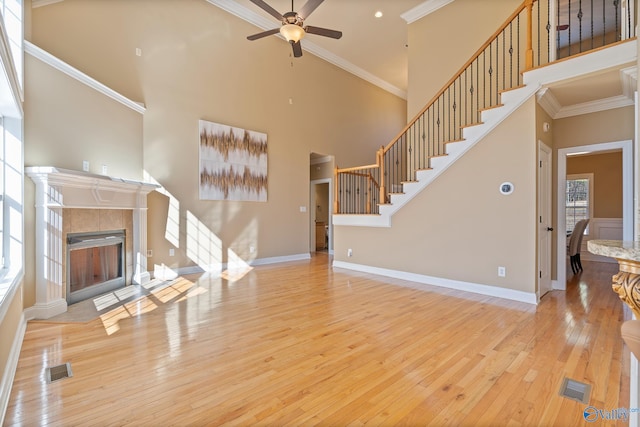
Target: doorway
627 198
321 203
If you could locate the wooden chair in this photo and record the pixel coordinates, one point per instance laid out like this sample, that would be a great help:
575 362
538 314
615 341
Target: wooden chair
575 242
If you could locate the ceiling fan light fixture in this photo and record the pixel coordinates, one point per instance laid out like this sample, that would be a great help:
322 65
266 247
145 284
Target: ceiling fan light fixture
292 33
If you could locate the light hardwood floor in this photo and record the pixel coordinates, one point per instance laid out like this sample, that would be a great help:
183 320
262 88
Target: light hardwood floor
303 344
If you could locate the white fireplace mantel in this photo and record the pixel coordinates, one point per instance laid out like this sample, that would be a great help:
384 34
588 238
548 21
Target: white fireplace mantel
58 188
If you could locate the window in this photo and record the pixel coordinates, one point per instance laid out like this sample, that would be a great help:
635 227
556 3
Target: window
11 152
579 199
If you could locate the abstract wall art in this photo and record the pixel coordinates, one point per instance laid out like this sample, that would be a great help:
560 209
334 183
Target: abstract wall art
233 163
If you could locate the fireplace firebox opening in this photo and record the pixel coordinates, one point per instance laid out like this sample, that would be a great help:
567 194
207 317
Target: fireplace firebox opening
95 264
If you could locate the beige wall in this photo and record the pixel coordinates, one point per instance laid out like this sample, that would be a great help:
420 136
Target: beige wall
607 181
460 227
9 327
322 170
197 64
466 25
594 128
65 123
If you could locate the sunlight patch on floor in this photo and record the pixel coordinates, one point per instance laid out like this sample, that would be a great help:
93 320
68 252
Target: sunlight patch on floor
111 319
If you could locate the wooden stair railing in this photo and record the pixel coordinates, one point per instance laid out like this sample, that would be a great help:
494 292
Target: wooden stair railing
497 66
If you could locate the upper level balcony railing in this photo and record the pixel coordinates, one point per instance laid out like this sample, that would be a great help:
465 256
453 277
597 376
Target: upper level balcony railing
537 32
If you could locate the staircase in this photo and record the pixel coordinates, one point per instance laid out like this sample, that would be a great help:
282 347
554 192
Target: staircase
471 135
507 70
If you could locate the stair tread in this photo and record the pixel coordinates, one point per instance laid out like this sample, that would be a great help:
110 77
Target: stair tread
471 125
491 107
511 88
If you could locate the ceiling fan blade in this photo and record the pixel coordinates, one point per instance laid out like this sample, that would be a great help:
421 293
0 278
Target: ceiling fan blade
323 32
297 49
263 34
271 11
309 7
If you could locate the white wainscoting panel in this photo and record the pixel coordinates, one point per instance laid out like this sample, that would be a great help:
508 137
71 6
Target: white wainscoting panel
601 229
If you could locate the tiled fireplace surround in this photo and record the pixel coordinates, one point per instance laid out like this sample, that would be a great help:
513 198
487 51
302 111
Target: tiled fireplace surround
77 202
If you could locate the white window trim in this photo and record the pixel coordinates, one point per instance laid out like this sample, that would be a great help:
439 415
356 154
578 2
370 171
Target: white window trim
588 177
12 270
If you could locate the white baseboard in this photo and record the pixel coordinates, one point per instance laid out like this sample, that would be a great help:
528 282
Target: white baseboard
45 311
167 273
476 288
9 371
278 259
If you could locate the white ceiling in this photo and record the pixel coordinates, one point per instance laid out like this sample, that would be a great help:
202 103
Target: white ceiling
376 51
375 48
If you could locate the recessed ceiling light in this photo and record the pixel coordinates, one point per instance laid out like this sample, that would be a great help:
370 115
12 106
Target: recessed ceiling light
378 14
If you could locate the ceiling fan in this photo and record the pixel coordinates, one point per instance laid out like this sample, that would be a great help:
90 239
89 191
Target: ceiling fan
292 28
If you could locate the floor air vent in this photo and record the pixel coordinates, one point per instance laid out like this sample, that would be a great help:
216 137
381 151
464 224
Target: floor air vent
59 372
575 390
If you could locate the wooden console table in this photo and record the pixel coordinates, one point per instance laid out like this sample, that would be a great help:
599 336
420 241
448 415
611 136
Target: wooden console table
627 282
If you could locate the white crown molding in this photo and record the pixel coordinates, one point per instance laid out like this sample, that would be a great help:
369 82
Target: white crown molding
40 3
629 77
259 21
594 106
78 75
548 102
551 105
423 9
353 69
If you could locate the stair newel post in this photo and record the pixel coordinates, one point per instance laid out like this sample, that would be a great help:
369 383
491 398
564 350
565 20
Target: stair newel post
380 160
336 205
529 53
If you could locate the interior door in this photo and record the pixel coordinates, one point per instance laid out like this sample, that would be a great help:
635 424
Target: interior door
545 228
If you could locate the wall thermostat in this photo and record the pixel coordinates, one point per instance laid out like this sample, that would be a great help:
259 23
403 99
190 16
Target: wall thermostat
506 188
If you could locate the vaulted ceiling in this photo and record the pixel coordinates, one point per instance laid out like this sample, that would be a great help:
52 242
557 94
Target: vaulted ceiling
375 48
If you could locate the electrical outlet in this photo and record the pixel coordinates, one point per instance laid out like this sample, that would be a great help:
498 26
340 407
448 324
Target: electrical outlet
149 253
172 252
251 249
502 271
85 165
105 170
349 252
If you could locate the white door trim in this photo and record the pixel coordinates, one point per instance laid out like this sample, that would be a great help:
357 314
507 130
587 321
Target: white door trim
312 224
545 219
627 198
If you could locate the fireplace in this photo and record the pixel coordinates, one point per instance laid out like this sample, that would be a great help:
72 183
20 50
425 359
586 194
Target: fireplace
95 264
73 207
